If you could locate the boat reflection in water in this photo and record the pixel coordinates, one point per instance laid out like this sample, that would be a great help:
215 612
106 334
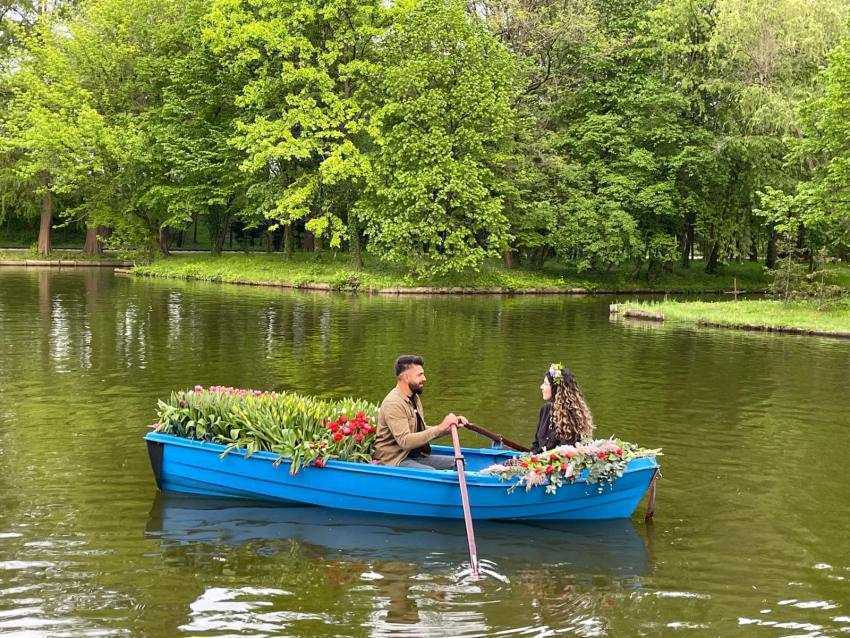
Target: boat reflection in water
600 547
395 574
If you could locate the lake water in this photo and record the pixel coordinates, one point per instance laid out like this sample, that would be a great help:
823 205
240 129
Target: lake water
750 536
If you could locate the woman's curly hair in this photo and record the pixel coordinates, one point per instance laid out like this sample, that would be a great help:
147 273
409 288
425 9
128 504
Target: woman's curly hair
571 418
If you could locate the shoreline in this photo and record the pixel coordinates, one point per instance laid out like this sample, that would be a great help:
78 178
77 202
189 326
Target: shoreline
66 263
429 290
333 272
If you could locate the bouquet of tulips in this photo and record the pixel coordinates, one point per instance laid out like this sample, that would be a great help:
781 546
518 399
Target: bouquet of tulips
298 428
352 437
599 462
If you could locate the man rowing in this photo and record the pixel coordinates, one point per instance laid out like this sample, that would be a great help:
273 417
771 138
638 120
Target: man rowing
403 437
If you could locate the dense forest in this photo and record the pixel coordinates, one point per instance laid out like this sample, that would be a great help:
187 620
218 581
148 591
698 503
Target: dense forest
435 134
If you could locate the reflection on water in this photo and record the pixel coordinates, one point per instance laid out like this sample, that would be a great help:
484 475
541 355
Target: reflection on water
750 536
410 569
610 547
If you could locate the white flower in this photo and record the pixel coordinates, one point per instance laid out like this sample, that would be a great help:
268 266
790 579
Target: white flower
494 469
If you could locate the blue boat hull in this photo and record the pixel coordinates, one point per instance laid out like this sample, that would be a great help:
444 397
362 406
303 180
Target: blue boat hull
195 467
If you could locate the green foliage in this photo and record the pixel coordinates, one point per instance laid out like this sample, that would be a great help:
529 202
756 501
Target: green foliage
824 201
615 137
51 138
441 131
302 122
794 279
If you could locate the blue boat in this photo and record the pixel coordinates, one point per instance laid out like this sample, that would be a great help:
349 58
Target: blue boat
188 466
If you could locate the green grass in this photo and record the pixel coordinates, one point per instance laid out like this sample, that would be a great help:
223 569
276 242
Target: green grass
336 270
55 255
795 316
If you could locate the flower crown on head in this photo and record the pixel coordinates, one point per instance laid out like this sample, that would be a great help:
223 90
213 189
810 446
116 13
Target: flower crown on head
556 371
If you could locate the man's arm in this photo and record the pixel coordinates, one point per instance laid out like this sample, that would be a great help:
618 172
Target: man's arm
396 420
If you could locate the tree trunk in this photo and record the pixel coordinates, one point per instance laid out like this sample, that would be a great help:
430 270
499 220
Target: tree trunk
46 221
268 240
508 257
356 245
754 251
308 243
318 243
688 245
164 241
712 262
542 254
195 229
218 243
93 246
770 253
288 240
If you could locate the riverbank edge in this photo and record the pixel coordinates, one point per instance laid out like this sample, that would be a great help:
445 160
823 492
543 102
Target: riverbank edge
66 263
631 311
138 271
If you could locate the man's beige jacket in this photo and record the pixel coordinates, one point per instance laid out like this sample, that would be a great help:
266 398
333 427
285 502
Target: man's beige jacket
398 431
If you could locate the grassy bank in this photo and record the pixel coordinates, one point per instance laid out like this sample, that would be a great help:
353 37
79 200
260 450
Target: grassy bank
54 256
335 272
801 317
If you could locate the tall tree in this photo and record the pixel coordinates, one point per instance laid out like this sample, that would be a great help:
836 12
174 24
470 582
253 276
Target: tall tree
822 203
769 54
50 136
442 132
169 105
303 124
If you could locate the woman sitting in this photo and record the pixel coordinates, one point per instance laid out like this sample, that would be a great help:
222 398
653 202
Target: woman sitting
565 418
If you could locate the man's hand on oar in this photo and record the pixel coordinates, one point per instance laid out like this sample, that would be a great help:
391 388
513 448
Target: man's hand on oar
453 419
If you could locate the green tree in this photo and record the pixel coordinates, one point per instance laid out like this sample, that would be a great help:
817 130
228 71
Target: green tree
51 139
169 106
769 54
442 134
303 124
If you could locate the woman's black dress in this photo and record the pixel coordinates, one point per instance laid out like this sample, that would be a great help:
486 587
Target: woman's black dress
546 436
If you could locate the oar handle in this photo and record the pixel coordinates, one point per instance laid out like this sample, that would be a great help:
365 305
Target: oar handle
498 438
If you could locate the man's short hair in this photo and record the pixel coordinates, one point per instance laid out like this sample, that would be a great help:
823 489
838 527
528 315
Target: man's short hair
405 361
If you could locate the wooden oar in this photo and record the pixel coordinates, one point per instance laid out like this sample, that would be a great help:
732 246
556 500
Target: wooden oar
498 438
464 499
650 499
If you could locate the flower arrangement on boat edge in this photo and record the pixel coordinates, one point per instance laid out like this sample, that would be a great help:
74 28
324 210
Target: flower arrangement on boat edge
303 430
598 462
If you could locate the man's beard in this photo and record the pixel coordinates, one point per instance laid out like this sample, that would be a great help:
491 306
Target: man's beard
416 389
